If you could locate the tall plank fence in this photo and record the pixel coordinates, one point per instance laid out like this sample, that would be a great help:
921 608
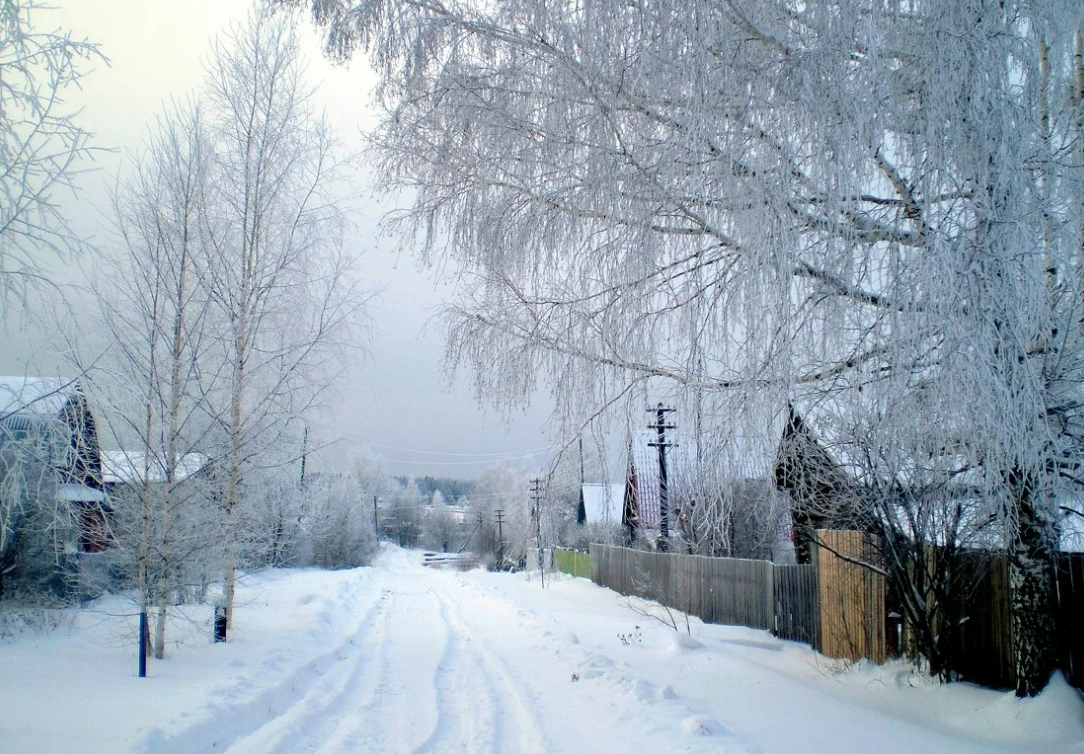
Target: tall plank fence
1070 617
796 613
984 634
717 590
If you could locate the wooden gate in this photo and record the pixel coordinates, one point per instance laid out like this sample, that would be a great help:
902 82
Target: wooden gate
852 596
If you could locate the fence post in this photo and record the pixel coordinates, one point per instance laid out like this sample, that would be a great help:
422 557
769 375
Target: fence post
769 596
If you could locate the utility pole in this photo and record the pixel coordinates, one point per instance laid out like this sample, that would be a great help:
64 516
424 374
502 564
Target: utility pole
660 426
536 517
581 508
466 542
500 537
376 521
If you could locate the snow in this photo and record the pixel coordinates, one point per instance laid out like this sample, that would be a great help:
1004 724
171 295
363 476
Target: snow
399 657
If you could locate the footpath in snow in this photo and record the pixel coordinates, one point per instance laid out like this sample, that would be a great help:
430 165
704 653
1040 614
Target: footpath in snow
402 658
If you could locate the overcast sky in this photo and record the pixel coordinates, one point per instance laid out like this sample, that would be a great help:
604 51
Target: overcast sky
398 401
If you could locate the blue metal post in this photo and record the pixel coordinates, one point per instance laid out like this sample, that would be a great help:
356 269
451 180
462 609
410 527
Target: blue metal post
143 645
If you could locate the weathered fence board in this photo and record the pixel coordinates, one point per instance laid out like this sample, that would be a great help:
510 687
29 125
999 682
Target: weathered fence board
796 608
984 635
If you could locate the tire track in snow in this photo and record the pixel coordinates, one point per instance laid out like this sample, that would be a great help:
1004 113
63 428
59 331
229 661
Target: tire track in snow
466 709
402 711
512 727
643 709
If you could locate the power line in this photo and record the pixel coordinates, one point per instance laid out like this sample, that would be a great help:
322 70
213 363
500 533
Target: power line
525 452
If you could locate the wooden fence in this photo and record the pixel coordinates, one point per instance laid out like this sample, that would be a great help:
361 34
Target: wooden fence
984 633
981 639
1071 617
839 604
796 613
717 590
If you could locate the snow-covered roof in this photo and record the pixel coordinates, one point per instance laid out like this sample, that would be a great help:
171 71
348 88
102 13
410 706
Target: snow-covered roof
602 502
78 493
35 395
127 467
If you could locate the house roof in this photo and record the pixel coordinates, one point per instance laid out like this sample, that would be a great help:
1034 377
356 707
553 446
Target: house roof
35 395
127 467
602 502
733 458
20 426
680 463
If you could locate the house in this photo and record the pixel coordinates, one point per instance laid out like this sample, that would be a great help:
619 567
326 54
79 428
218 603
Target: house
642 498
50 467
942 506
822 494
721 496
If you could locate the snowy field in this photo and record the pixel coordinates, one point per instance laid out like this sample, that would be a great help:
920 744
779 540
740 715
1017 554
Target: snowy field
400 658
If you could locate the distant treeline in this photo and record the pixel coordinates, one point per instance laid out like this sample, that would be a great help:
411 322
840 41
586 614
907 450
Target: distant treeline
451 489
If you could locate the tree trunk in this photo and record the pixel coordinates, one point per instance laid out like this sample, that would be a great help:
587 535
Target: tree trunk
233 479
1031 584
165 578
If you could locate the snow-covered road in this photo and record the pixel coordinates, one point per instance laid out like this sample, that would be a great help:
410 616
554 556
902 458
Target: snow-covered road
401 658
408 674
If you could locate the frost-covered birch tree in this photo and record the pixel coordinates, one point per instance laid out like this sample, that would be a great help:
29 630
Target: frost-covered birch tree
41 140
874 209
155 306
279 277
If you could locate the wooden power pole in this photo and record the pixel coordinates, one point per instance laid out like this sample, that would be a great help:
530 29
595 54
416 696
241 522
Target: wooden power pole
660 426
536 516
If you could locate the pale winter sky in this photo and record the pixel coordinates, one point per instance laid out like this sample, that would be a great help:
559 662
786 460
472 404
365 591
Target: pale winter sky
398 399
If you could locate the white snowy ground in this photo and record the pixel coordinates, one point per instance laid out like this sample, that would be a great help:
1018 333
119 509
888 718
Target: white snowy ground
399 658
